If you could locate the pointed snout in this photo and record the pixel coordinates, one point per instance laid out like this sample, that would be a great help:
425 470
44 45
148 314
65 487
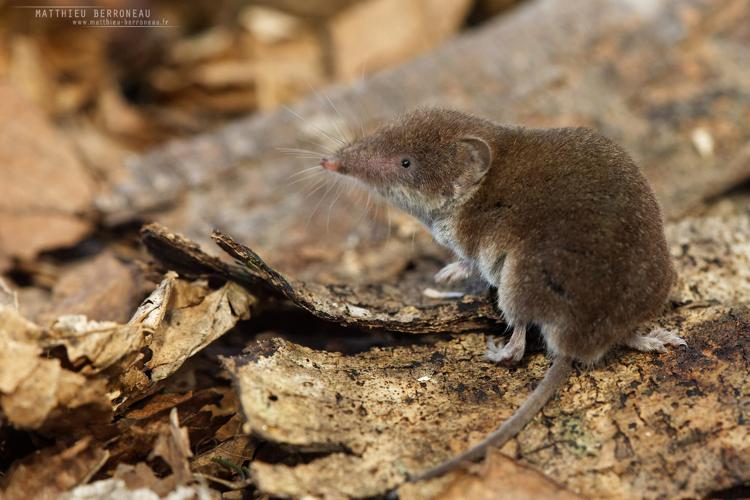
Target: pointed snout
331 163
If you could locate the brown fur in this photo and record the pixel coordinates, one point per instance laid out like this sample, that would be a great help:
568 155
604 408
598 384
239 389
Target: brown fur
575 227
586 253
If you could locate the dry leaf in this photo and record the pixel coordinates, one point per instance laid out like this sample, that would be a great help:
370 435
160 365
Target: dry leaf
101 288
45 187
175 322
49 472
36 391
190 329
116 488
132 437
402 309
174 448
8 297
139 481
497 478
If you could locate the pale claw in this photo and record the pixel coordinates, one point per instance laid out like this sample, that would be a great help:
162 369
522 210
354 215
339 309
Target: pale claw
510 353
655 340
454 271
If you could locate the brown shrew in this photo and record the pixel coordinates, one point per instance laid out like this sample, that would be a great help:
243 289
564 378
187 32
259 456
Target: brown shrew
560 220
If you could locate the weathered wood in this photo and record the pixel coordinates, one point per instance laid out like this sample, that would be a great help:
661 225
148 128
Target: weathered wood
671 425
372 306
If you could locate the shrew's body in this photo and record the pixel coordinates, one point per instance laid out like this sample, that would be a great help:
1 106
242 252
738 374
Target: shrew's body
561 221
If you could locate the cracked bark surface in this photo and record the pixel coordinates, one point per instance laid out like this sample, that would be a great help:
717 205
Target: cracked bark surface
641 425
399 309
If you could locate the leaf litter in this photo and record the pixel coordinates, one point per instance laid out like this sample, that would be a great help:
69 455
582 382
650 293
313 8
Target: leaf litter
286 419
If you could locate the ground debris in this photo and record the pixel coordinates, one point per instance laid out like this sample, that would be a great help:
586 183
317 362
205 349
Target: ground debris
499 477
45 189
49 472
139 481
373 418
103 367
296 401
617 430
400 309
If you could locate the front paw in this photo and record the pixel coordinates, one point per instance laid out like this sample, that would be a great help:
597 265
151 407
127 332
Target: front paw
454 271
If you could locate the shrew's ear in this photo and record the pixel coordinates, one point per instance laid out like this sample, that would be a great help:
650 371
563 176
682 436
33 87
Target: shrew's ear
474 159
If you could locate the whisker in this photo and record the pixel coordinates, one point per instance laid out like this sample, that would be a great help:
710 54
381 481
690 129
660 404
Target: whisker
321 145
299 151
335 124
303 179
350 136
388 215
304 156
315 208
367 208
330 207
305 170
335 139
317 187
376 217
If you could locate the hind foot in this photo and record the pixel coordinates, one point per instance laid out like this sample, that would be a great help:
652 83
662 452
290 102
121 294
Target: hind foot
510 353
655 340
454 271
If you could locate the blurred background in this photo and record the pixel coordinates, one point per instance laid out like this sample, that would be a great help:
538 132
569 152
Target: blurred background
77 102
123 90
208 118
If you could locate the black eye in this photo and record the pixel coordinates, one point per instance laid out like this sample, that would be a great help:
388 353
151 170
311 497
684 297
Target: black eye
406 163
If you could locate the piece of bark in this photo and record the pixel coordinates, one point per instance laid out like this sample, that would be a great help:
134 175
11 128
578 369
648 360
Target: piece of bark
712 258
709 252
640 425
498 477
617 430
646 75
102 289
45 188
400 309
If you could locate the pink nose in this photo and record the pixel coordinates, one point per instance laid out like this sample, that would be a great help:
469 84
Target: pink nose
331 164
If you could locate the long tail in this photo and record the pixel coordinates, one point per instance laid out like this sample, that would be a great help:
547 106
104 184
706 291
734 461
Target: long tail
555 377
